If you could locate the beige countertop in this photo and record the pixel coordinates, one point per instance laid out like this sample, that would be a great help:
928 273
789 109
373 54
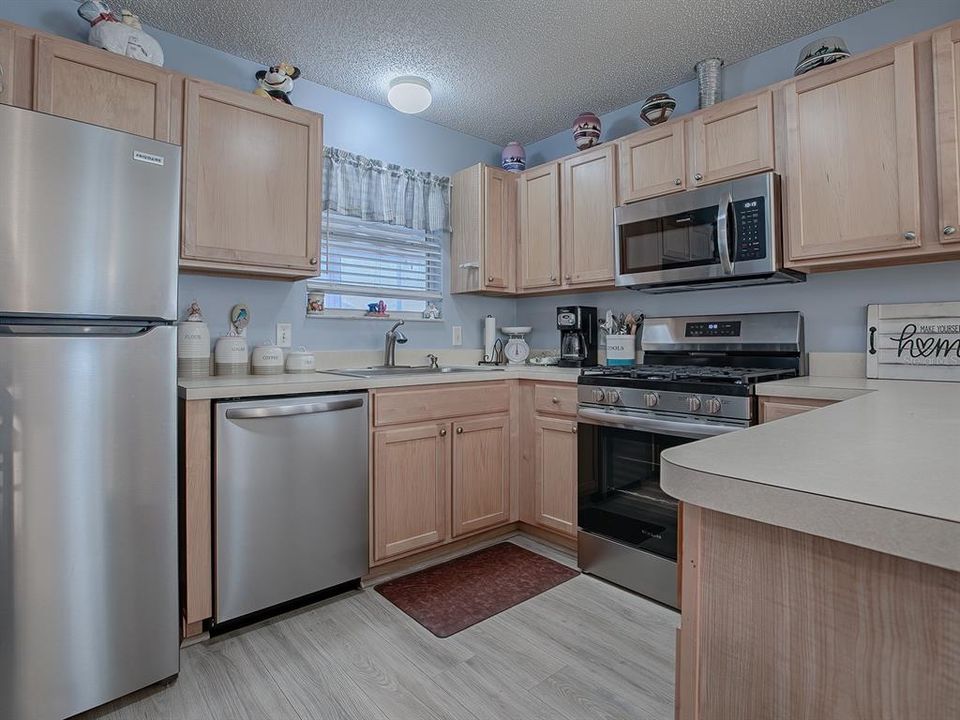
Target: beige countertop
879 469
214 388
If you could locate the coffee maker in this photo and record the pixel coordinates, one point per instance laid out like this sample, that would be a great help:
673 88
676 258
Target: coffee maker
578 336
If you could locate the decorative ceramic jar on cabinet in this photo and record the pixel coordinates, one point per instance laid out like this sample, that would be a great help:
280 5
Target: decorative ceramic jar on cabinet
586 130
514 157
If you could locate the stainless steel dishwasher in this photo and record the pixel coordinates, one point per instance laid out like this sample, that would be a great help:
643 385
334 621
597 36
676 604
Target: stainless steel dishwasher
291 499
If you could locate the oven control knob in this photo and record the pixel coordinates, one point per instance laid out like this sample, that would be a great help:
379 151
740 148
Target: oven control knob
712 405
651 399
693 403
598 395
613 396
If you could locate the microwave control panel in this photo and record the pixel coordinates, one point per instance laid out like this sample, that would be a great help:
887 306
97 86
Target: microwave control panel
751 223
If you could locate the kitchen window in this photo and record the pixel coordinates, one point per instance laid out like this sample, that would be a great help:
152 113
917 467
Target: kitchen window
363 262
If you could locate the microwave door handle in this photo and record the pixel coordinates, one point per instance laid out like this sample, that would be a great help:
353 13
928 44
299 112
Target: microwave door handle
723 237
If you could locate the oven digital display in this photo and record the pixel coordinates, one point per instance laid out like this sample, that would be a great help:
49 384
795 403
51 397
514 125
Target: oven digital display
713 329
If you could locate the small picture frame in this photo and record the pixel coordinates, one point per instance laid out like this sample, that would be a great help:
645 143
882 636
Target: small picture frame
315 300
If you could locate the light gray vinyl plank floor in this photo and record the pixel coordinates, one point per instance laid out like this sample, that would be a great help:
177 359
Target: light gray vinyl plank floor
582 650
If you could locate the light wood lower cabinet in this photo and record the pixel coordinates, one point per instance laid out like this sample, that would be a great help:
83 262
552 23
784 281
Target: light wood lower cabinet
252 181
946 73
7 71
776 408
781 624
481 474
410 483
98 87
556 474
440 475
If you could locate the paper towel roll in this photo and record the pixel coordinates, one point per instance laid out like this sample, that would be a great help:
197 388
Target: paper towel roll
489 336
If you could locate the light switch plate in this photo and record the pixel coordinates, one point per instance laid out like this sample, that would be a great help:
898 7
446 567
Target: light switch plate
284 334
457 335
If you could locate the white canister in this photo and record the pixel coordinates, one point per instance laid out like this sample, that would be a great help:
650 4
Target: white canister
267 359
301 361
230 355
621 349
193 349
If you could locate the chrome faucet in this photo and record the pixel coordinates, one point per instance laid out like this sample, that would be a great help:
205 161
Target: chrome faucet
393 337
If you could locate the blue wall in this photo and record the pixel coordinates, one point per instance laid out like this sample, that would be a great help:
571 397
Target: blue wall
832 303
350 123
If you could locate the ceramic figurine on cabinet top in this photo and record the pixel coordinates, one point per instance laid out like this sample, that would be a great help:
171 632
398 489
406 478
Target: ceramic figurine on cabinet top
657 109
119 32
513 157
277 82
586 130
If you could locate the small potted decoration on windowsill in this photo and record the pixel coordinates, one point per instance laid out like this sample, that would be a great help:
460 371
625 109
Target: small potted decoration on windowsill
377 309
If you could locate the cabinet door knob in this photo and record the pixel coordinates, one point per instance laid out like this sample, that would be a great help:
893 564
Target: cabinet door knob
489 278
459 431
949 230
555 400
678 182
443 432
574 430
568 277
909 235
698 177
553 278
313 261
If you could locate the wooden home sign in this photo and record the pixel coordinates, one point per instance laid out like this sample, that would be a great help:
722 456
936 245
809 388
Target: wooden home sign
919 341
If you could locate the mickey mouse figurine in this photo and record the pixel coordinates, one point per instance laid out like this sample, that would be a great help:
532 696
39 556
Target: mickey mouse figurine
277 82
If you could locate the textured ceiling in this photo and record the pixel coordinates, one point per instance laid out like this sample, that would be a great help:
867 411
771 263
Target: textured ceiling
500 70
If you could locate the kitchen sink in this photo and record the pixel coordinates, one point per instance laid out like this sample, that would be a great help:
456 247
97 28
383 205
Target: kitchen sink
401 370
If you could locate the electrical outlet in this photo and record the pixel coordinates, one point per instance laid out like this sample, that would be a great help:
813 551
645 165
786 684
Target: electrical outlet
457 335
284 334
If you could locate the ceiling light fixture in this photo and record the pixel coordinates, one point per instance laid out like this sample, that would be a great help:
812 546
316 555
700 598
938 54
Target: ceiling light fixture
409 94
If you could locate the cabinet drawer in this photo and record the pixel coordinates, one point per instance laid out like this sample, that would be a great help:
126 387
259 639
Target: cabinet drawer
555 399
419 404
777 408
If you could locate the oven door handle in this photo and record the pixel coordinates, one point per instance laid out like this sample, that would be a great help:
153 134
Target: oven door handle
723 237
650 424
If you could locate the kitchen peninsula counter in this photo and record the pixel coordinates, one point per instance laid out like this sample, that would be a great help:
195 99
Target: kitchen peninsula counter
879 468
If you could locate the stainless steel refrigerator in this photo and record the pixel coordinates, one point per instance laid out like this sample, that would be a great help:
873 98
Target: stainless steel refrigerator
89 222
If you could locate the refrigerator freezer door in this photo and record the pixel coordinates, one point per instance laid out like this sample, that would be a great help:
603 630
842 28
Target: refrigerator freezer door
90 219
88 520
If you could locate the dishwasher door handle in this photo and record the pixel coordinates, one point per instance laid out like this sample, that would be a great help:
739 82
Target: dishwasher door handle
288 410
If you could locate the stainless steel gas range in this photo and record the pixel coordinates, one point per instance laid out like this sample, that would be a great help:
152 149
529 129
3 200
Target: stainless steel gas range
697 381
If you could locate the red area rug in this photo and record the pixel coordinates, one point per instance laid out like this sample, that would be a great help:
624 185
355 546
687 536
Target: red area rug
454 595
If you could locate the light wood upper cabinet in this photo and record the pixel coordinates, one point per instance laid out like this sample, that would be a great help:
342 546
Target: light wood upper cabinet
732 139
484 239
95 86
539 246
652 162
588 197
852 175
252 183
556 475
410 481
499 228
946 73
481 474
7 73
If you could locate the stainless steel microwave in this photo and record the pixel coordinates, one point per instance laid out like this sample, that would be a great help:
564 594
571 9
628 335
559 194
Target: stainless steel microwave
723 235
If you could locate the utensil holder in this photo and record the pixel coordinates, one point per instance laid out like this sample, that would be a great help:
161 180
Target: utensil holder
621 349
